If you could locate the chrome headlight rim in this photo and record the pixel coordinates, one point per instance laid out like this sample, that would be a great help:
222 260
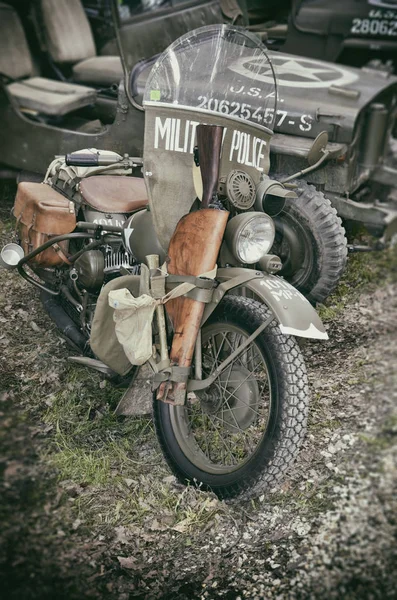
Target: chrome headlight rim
245 228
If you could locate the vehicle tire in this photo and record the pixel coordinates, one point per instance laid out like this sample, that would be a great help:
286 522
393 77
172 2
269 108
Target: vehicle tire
267 404
311 243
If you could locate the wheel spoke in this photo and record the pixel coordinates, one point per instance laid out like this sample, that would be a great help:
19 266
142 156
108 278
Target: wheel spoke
232 395
242 382
205 434
220 347
222 439
225 426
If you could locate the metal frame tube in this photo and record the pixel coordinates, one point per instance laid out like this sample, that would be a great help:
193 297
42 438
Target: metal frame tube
193 385
55 240
198 357
153 262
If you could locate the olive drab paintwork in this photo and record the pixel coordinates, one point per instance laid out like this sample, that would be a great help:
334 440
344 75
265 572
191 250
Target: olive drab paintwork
169 143
295 314
171 118
303 111
31 145
312 96
310 100
345 31
354 106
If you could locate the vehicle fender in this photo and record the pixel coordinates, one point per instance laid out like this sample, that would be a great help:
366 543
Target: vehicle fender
295 314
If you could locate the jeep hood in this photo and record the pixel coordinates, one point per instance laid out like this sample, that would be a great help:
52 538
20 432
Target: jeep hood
314 96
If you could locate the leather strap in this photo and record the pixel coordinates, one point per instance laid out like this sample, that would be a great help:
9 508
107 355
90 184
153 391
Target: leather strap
198 282
61 254
187 286
174 373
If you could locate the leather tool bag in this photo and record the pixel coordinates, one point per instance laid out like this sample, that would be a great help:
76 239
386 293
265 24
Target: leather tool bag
41 214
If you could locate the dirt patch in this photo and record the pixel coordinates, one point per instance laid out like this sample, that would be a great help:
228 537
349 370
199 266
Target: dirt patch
90 510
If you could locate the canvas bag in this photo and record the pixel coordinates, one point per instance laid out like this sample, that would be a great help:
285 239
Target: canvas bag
66 178
60 171
133 317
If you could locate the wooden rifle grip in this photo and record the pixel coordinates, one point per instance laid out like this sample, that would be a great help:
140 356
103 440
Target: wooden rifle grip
209 143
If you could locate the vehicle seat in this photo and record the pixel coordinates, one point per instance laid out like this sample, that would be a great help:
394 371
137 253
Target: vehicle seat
114 193
36 94
69 41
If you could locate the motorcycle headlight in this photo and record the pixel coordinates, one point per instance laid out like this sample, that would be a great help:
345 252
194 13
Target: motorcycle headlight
249 236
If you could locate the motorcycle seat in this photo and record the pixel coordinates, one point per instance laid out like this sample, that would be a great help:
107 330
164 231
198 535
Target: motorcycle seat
114 193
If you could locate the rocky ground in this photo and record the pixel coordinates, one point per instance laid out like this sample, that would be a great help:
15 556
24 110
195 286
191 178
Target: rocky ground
90 510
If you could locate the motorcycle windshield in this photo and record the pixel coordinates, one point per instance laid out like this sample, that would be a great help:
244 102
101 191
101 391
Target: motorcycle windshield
218 75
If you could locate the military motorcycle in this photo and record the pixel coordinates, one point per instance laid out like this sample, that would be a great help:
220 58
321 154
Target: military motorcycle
228 380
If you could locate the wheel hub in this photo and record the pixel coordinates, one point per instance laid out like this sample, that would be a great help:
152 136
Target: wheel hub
210 399
234 398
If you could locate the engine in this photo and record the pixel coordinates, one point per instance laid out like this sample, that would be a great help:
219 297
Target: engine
95 267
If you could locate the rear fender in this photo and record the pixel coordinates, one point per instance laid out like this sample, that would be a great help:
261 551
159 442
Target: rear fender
295 314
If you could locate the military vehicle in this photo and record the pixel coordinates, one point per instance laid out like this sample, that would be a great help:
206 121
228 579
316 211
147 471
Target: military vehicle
331 125
352 32
59 94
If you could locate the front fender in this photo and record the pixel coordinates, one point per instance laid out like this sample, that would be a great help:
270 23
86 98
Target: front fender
295 314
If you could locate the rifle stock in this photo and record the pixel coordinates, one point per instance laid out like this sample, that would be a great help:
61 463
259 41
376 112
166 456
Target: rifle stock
193 250
209 142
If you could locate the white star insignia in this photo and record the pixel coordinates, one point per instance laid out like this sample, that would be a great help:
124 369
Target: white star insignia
293 67
127 234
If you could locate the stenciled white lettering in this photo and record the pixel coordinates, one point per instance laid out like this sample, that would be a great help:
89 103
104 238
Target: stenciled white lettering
162 131
247 150
180 136
104 221
172 135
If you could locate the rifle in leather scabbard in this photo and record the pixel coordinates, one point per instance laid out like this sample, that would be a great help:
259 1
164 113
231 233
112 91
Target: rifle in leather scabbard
194 250
209 143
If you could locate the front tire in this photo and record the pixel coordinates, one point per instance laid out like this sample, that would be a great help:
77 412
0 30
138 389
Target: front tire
239 436
311 243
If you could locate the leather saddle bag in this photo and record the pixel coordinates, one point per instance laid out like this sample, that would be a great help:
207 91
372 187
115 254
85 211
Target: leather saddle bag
41 214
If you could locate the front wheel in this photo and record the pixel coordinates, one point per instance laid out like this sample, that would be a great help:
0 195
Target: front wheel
239 436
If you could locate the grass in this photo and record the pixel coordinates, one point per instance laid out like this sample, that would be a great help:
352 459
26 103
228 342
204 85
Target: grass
318 425
80 465
379 442
385 438
119 457
378 267
115 462
315 498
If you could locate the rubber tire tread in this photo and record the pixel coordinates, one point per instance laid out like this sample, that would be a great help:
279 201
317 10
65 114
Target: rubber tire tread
291 400
314 211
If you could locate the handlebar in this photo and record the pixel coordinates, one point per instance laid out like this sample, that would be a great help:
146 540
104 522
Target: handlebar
97 227
82 160
97 160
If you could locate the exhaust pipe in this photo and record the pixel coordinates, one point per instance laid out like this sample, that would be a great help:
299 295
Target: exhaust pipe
65 324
